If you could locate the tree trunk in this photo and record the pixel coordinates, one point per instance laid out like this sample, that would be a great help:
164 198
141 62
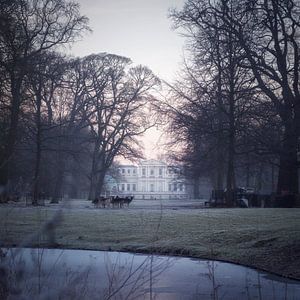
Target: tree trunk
196 187
76 183
220 162
93 180
288 166
259 177
100 183
247 170
6 161
36 179
101 177
220 152
93 187
230 182
61 165
59 179
94 172
220 135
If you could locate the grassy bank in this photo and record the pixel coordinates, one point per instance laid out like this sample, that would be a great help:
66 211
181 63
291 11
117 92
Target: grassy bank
268 239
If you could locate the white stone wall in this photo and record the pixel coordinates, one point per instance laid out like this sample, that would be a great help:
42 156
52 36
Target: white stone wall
151 179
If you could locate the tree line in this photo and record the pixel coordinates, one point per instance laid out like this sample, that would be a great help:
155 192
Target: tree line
236 106
63 120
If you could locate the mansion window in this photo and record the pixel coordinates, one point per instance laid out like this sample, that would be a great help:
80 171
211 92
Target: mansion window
128 187
123 187
143 172
160 171
128 171
175 187
160 187
151 187
123 171
134 187
152 172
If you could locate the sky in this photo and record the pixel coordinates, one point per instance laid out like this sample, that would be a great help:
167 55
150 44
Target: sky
140 30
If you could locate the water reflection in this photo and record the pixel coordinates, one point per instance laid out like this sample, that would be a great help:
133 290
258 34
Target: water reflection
76 274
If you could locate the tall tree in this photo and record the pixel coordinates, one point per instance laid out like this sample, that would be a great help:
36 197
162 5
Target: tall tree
27 29
266 35
222 93
117 98
44 81
268 32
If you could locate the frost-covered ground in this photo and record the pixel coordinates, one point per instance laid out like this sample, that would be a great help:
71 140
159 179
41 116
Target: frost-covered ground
136 204
266 238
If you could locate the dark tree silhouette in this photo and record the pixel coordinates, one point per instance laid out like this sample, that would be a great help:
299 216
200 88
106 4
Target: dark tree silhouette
27 29
264 35
116 105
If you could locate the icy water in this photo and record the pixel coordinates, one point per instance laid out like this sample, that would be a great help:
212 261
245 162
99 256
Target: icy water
82 274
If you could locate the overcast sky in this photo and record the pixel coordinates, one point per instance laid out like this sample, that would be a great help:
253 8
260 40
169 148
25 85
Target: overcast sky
140 30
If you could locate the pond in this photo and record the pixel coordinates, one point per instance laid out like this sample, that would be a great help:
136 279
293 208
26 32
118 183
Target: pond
82 274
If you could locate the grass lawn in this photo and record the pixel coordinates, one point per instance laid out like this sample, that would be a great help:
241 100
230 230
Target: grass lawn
268 239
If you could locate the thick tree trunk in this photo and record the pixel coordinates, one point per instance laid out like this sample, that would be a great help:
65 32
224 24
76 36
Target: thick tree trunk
100 183
94 172
93 187
288 167
6 160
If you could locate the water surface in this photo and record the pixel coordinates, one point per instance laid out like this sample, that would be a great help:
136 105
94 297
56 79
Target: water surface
82 274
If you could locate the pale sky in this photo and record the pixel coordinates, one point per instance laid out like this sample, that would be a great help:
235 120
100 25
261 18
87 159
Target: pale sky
140 30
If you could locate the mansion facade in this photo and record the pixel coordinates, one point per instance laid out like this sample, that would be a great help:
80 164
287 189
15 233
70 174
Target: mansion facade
151 179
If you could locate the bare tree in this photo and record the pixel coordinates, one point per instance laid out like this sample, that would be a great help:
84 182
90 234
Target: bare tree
116 106
27 29
268 32
43 83
214 112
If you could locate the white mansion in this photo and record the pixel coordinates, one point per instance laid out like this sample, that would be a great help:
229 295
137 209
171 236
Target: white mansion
151 179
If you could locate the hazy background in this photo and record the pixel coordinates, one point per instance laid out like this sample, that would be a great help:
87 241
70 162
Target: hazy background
140 30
